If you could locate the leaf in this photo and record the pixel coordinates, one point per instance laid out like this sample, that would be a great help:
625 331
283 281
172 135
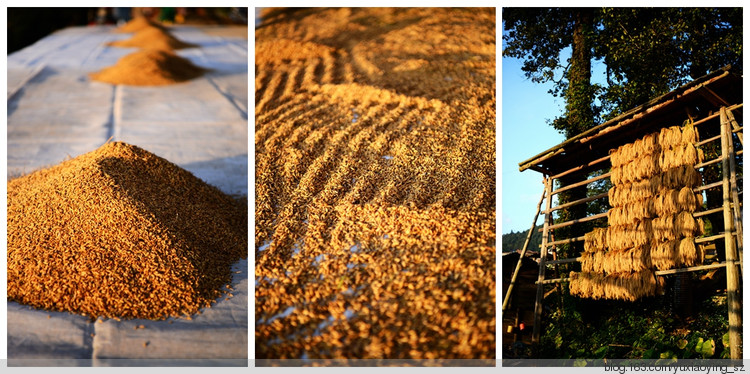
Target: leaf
699 345
682 343
558 341
601 352
579 362
725 340
649 354
709 347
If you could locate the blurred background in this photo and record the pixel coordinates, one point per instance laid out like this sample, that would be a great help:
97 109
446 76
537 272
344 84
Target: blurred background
27 25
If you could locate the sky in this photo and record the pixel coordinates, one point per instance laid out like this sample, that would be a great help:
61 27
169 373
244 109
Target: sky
527 108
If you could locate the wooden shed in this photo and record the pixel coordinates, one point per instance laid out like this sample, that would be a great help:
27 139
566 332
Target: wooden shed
712 106
519 317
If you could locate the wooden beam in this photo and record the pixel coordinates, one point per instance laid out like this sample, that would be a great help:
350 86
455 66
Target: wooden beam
709 140
581 167
709 238
566 241
573 222
580 201
736 126
633 115
737 214
564 261
540 169
696 268
734 304
537 331
506 302
582 183
711 162
719 265
712 97
708 186
707 212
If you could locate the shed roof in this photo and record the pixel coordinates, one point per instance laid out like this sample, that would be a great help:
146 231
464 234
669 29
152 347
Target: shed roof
722 87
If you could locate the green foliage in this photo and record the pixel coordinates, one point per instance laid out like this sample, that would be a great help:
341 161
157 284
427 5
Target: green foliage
641 330
650 51
647 52
514 240
705 348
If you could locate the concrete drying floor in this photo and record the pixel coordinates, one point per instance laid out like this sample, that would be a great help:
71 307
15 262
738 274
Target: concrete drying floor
56 112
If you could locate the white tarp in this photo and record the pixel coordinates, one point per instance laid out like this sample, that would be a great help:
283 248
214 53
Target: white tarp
56 112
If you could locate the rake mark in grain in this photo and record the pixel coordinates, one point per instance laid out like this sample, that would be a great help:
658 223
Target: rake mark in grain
363 276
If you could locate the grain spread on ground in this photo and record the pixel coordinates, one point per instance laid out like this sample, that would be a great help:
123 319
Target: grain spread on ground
151 37
121 233
375 183
149 67
650 225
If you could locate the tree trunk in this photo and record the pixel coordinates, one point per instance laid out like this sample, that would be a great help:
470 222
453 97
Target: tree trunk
580 117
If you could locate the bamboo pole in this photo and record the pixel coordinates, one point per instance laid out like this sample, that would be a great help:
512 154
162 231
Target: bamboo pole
558 289
506 302
708 186
719 265
542 258
736 126
566 241
709 140
580 167
709 238
707 212
573 222
733 301
710 162
582 183
576 202
733 188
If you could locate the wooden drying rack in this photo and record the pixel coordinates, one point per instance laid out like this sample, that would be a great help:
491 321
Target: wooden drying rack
732 234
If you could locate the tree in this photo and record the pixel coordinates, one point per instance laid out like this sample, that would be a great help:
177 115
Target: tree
648 52
539 36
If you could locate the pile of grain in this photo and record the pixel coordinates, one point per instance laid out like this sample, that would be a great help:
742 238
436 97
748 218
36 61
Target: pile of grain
650 224
137 24
375 183
155 64
150 37
122 233
149 67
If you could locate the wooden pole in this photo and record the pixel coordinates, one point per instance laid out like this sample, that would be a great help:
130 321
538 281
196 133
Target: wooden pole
542 264
717 265
506 302
576 202
733 301
733 188
581 183
735 125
